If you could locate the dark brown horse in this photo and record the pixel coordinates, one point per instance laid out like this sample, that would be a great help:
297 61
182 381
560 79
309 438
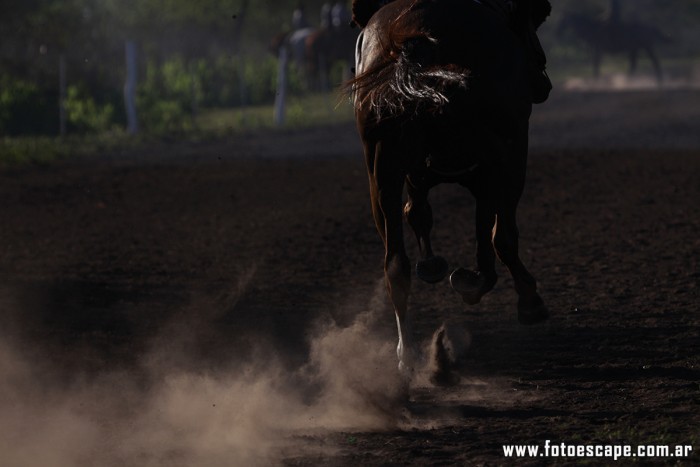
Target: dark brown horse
615 37
295 45
442 95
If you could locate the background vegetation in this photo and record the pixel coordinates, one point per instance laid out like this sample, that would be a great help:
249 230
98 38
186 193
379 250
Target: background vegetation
197 59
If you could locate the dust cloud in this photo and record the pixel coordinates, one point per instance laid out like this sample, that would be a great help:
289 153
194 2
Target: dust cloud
167 412
172 408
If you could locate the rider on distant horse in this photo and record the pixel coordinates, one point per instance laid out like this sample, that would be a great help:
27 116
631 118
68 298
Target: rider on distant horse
524 17
299 20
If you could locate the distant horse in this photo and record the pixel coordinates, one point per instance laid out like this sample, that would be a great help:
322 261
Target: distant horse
295 43
617 37
329 46
442 96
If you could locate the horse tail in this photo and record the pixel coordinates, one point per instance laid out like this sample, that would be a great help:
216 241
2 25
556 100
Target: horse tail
409 79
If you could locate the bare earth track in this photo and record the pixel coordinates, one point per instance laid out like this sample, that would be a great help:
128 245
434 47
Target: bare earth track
215 257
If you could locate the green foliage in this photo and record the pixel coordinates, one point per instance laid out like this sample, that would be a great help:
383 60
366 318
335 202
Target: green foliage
165 97
169 95
210 54
304 111
23 107
172 93
84 114
234 81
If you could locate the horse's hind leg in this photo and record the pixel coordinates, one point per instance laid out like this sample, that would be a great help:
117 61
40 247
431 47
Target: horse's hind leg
419 214
386 189
473 285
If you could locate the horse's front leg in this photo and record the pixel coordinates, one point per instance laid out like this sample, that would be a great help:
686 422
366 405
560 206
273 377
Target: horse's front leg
473 285
508 185
531 308
655 63
419 214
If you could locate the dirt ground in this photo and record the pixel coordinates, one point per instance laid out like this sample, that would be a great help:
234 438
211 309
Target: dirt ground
222 303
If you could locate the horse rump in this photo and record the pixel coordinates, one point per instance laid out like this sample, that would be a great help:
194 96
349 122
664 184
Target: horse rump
410 80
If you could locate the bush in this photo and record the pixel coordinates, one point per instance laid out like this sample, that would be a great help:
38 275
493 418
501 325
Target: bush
25 108
169 95
172 92
165 97
84 115
236 81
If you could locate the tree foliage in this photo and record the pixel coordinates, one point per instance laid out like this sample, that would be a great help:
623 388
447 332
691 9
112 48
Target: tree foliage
208 52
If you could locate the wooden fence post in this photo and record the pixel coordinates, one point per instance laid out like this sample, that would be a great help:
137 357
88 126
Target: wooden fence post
132 126
281 96
62 94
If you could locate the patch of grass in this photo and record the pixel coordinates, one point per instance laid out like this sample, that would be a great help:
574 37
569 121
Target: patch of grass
43 150
307 111
301 112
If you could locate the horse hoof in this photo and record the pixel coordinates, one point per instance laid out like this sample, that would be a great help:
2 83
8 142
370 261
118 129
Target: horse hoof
442 360
471 285
533 312
432 270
